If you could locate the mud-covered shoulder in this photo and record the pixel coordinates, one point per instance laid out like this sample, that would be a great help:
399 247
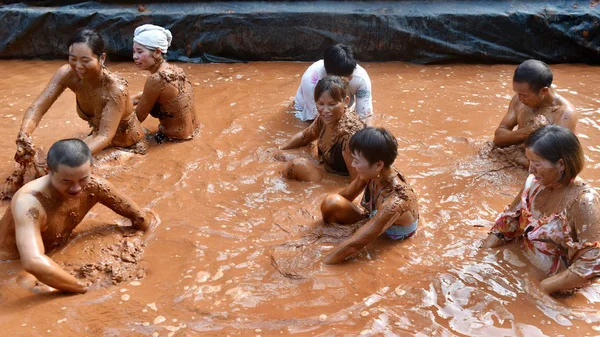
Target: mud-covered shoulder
584 213
116 84
350 124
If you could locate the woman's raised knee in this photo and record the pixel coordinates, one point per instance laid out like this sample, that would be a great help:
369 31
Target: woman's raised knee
331 205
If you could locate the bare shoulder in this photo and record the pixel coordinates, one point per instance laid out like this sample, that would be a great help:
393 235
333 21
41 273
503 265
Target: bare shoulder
65 74
24 203
567 108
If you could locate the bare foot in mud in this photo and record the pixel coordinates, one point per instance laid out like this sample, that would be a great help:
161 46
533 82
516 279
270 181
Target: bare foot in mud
283 156
29 282
111 158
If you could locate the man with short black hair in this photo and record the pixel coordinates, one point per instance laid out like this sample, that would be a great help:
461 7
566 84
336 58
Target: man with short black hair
338 60
534 105
45 211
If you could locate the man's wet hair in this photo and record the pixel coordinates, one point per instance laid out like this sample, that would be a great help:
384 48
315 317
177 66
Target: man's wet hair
555 142
91 38
69 152
375 144
335 85
535 73
339 60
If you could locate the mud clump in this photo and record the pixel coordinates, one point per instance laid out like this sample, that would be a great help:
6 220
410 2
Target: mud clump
116 263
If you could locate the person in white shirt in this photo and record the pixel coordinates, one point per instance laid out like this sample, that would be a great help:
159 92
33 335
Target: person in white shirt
338 60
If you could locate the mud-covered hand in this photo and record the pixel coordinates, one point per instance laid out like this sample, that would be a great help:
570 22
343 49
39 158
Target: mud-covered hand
148 222
538 122
25 148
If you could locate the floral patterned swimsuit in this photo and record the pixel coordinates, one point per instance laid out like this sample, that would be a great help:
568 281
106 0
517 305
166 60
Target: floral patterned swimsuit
550 242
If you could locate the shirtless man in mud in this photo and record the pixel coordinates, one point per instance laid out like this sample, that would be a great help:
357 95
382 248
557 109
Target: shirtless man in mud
534 105
44 213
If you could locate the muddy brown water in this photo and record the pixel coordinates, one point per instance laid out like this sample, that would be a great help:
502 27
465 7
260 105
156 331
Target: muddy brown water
228 217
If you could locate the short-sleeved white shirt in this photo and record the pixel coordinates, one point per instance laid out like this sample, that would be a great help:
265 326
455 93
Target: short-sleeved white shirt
359 89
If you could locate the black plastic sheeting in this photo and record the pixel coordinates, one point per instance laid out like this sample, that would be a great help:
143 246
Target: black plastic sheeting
414 31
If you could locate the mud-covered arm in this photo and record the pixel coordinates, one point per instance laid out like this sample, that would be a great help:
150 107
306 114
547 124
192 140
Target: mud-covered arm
111 197
116 105
504 135
30 218
152 89
584 251
353 189
305 136
391 210
496 237
44 101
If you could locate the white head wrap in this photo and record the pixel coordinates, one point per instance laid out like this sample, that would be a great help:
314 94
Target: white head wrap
153 37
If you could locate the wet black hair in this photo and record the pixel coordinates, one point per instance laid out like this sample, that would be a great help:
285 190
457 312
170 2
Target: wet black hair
375 144
339 60
555 142
69 152
335 85
91 38
535 73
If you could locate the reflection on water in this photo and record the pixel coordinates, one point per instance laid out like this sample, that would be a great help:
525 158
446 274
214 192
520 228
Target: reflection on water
231 224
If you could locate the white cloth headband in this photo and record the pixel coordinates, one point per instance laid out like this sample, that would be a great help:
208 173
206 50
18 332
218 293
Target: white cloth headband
153 37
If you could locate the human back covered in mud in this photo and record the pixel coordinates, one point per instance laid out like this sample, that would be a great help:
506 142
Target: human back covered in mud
168 94
102 99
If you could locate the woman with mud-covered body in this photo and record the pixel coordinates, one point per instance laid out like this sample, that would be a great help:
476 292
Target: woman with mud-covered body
556 216
333 128
168 94
102 100
389 204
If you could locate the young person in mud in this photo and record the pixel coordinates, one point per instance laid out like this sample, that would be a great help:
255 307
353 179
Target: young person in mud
389 204
339 61
102 100
45 211
333 127
534 105
167 94
556 216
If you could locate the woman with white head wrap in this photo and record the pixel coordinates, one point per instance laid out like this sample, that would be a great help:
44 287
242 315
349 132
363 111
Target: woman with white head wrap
167 94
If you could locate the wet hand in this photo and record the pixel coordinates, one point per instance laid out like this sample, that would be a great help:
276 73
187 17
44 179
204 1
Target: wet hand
151 220
538 122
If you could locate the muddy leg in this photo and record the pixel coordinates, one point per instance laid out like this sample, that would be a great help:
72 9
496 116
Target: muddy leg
111 157
337 209
301 169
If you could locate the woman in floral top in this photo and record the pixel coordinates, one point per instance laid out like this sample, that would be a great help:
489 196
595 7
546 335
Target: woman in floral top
556 214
